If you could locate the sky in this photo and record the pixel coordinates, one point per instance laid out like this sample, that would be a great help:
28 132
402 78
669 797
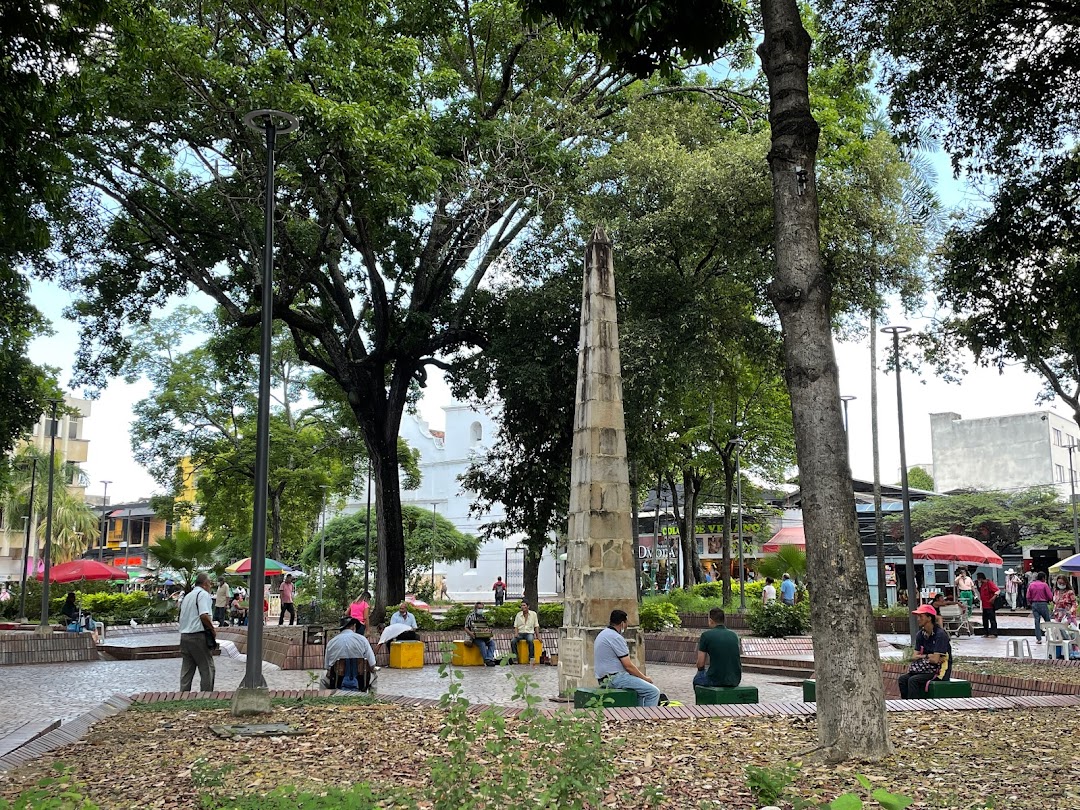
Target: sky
982 392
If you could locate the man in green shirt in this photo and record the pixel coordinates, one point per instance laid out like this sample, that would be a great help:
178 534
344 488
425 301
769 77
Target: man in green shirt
723 650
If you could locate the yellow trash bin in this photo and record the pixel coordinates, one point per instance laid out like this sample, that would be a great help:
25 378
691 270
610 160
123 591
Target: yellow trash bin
406 654
466 655
523 650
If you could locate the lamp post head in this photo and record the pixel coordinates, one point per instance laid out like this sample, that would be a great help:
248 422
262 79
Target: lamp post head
260 120
895 330
847 397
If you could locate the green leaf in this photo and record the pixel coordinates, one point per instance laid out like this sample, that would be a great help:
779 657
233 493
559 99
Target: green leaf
864 781
848 801
890 801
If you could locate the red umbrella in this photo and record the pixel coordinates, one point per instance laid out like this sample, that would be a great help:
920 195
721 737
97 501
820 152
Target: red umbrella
788 536
78 570
955 548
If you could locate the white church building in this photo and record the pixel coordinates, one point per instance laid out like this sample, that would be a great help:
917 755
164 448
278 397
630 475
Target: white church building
445 455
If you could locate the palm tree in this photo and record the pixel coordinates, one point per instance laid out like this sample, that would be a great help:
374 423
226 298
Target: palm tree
187 553
788 560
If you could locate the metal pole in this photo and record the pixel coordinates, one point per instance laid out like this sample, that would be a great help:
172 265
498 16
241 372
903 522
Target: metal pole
322 548
846 398
434 534
26 544
253 677
1072 489
104 521
739 444
44 626
367 534
909 560
879 530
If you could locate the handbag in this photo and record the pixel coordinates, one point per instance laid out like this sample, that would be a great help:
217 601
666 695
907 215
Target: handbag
999 601
922 666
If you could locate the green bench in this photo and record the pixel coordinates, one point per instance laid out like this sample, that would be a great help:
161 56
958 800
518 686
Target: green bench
720 695
948 689
809 691
588 697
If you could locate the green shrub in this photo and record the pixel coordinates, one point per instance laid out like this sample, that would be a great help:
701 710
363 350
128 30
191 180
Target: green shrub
709 590
551 614
658 615
454 618
775 619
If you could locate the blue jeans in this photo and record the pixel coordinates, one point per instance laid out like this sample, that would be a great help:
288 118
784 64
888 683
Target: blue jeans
487 648
1041 612
529 637
648 695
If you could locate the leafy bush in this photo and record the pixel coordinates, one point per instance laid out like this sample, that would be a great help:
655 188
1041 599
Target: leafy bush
775 619
658 615
454 618
551 614
709 590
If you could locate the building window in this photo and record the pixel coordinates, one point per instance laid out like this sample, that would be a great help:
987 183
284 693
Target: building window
52 428
73 427
941 574
1059 473
1057 437
476 433
472 563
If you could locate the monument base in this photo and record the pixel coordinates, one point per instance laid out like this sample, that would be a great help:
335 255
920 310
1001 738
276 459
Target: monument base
246 702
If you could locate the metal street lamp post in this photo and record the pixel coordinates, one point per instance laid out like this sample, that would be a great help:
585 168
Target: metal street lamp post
322 548
434 535
1072 490
44 627
739 443
26 544
246 700
104 520
367 531
846 398
909 560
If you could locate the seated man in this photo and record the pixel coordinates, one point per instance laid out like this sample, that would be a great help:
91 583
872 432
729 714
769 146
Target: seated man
932 660
402 616
479 632
345 646
526 626
721 647
612 664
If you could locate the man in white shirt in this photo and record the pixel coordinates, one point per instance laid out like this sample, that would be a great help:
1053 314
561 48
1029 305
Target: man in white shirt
196 636
346 645
403 616
526 625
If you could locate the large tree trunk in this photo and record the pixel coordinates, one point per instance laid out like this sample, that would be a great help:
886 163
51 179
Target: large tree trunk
692 484
275 521
390 542
533 554
851 701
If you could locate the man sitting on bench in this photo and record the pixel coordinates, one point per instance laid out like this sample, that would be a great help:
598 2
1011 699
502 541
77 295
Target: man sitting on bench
346 650
721 647
612 664
932 659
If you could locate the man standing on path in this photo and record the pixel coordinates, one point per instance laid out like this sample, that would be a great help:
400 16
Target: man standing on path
988 592
221 604
787 590
1012 588
500 591
288 592
197 636
1039 596
721 647
612 664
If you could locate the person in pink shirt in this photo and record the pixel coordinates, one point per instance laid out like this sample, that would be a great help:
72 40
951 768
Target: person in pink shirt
1040 597
288 591
359 610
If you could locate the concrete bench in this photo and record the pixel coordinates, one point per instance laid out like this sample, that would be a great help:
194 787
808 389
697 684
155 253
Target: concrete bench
719 695
523 650
809 690
948 689
406 654
466 655
588 697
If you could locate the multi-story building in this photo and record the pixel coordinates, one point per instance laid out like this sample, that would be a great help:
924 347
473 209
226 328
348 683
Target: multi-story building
133 528
71 447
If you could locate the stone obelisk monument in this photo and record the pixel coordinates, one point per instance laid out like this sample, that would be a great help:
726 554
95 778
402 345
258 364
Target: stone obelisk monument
600 549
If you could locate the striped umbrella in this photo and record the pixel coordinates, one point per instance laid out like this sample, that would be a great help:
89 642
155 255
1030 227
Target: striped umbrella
273 567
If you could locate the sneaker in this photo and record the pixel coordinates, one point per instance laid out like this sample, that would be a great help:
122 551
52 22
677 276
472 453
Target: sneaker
1038 641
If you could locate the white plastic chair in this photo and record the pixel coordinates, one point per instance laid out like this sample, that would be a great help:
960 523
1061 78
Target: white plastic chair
1060 637
1017 648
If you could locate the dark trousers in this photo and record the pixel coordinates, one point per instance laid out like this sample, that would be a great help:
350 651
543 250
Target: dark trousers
408 635
913 685
500 597
194 654
287 607
221 615
990 625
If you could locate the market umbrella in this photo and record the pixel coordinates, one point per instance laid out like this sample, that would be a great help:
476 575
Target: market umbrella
78 570
1070 565
788 536
955 548
273 567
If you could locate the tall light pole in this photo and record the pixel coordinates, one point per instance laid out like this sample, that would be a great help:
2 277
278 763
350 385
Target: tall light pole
434 535
322 548
1072 490
252 697
45 627
846 398
26 543
909 560
740 443
367 531
104 521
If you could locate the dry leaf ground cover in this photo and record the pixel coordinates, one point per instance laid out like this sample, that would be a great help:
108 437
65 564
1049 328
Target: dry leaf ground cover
165 757
1011 668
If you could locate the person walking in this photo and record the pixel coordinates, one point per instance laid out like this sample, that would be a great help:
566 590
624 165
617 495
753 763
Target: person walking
988 592
1039 596
500 591
359 610
197 636
1012 588
288 593
1064 602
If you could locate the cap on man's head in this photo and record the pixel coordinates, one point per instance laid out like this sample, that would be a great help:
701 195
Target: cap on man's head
786 576
350 622
925 609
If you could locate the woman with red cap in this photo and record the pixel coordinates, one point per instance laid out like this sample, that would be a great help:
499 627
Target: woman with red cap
932 660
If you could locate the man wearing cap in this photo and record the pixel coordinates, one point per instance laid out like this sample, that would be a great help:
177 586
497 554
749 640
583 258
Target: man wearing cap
346 645
932 660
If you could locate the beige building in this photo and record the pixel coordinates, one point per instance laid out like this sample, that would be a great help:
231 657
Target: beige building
71 446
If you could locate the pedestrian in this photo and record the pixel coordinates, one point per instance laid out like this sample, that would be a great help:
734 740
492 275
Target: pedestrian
526 625
612 664
721 647
288 592
768 593
479 632
787 590
359 610
500 591
1012 588
444 594
5 594
1021 594
988 592
403 616
221 603
1039 596
965 590
1064 602
197 636
932 659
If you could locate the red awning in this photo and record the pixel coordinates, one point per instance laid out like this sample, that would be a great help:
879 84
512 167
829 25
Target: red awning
955 548
789 536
